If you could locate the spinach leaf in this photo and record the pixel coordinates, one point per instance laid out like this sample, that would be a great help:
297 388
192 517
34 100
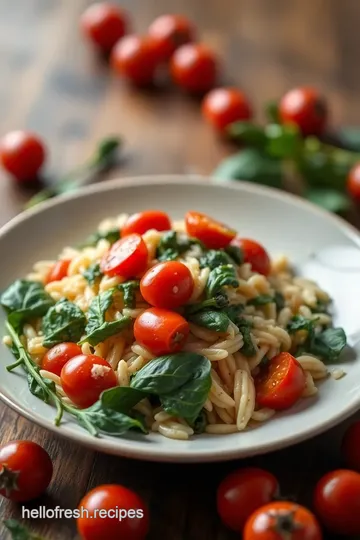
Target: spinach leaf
19 531
93 273
279 301
219 301
200 423
236 254
248 349
106 330
330 199
298 322
272 111
261 300
173 244
213 320
24 300
108 420
221 276
112 235
329 344
247 133
63 322
129 289
213 258
122 398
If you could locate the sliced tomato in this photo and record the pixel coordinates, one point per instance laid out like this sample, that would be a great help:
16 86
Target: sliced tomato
212 233
58 271
254 254
128 257
143 221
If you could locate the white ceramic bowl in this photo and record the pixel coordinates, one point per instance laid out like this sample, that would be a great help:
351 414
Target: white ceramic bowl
322 246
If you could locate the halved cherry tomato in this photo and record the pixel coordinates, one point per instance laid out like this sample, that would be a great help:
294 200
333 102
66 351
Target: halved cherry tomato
22 154
143 221
56 357
104 24
85 377
212 233
306 108
351 446
223 106
161 331
25 470
353 182
133 58
242 492
337 501
167 285
58 271
281 520
127 257
125 514
254 254
194 67
168 32
281 383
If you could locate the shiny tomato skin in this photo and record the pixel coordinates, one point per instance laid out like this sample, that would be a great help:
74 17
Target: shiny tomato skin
22 154
167 33
272 522
350 447
306 108
85 377
337 501
58 271
113 498
242 492
133 58
127 257
254 254
212 233
223 106
104 24
161 331
353 182
281 383
194 67
167 285
141 222
56 357
26 466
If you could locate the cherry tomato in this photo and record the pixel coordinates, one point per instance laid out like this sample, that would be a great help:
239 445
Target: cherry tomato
168 32
282 520
161 331
281 383
25 470
242 492
212 233
56 357
143 221
125 514
351 446
337 501
254 254
104 24
223 106
22 155
353 182
58 271
167 284
127 257
306 108
85 377
133 58
194 67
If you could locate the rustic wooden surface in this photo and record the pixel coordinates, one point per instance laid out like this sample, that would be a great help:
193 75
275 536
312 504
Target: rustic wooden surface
53 83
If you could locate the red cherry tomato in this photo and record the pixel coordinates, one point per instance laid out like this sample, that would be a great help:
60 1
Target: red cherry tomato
167 285
22 154
305 108
25 470
127 257
223 106
353 182
212 233
281 383
124 515
281 520
58 271
168 32
85 377
242 492
56 357
104 24
351 446
143 221
194 67
133 58
337 501
254 254
161 331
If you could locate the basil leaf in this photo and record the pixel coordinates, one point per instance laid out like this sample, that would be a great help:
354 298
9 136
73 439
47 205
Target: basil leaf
213 258
200 423
330 199
173 244
93 273
219 301
236 254
219 277
213 320
329 344
261 300
19 531
63 322
109 421
112 235
129 289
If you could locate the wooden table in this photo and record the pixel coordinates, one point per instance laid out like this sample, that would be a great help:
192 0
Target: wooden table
53 83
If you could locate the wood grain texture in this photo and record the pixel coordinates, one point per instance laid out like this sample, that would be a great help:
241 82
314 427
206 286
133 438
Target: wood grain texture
54 83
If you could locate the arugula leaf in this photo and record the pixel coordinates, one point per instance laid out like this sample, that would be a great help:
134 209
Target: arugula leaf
213 258
330 199
93 273
329 344
42 392
261 300
24 300
63 322
112 235
19 531
200 423
219 301
213 320
173 244
236 254
221 276
129 289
